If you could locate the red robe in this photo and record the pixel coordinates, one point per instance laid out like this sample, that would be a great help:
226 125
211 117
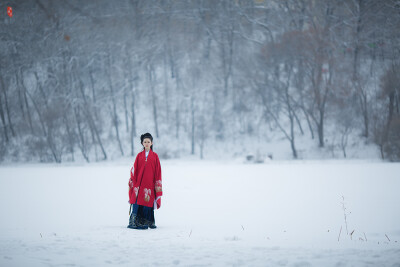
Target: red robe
145 184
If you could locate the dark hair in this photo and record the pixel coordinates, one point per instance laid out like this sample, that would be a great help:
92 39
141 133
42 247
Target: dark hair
146 135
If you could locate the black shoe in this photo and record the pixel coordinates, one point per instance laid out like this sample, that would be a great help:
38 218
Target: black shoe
152 226
138 227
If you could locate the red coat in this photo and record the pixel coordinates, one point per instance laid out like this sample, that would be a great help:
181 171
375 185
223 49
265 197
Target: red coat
145 184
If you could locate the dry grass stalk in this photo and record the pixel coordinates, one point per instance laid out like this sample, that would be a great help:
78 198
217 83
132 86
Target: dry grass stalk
387 237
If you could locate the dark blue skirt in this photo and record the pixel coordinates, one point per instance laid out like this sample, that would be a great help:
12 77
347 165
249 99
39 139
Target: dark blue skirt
141 215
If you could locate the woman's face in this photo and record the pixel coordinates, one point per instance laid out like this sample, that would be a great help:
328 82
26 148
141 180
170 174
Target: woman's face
147 143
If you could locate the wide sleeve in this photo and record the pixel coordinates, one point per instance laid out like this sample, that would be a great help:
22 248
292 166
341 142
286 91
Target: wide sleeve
158 184
158 180
134 173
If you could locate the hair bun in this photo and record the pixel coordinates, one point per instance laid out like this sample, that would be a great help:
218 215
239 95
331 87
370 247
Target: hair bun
146 135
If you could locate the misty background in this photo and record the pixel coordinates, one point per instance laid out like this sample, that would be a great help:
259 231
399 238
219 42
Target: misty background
82 80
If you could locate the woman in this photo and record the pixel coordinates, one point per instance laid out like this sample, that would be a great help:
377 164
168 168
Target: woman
145 186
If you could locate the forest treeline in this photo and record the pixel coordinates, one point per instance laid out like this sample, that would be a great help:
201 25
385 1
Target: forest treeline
81 77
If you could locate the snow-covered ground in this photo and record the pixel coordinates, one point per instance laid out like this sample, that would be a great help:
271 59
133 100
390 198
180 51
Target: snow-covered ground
213 213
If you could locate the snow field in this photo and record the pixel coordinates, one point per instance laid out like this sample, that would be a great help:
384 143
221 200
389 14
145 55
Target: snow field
213 213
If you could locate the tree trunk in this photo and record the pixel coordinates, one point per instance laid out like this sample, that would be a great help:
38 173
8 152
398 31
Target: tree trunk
128 79
91 123
131 82
298 123
153 98
356 77
10 125
46 132
96 114
3 120
81 143
126 112
309 123
70 136
133 123
166 86
20 98
27 106
177 110
320 127
192 112
292 143
114 105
